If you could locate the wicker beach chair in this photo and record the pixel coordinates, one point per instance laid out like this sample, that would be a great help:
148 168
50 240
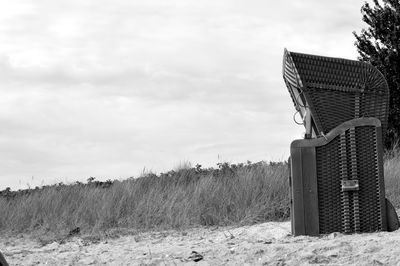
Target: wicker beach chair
336 178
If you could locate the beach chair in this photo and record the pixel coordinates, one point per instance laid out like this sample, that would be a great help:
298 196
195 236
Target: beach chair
336 180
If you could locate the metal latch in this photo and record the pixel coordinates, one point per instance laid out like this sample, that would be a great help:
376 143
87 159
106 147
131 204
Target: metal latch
349 185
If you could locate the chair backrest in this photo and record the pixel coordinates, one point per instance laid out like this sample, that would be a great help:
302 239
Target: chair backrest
335 90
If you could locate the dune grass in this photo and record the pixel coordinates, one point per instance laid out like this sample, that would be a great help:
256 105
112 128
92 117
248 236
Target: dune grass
392 175
187 197
231 194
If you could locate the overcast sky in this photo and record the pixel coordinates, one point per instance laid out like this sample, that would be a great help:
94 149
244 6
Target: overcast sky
105 88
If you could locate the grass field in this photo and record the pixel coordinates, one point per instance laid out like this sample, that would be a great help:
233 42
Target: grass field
190 196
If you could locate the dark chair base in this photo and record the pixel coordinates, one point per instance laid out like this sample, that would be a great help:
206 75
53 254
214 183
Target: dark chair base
337 185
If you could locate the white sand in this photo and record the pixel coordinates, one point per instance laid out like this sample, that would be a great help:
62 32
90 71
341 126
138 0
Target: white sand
262 244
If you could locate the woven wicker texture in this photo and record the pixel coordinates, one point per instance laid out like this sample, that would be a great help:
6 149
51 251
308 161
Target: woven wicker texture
369 179
330 87
332 212
329 187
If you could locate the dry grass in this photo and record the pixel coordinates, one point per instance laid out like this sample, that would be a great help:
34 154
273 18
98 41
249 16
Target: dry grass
188 196
392 175
231 194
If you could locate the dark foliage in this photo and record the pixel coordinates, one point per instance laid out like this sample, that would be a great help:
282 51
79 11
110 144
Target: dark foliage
379 45
10 194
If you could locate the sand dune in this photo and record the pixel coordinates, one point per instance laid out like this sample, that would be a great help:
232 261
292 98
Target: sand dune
261 244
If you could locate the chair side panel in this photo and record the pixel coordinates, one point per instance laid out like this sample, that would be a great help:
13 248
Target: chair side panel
296 193
304 192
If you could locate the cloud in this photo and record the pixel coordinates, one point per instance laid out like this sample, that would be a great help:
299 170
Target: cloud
101 88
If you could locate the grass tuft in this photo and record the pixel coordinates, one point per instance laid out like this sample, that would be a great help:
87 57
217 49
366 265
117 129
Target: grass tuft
392 175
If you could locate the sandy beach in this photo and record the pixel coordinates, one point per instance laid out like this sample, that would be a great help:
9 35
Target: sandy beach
262 244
